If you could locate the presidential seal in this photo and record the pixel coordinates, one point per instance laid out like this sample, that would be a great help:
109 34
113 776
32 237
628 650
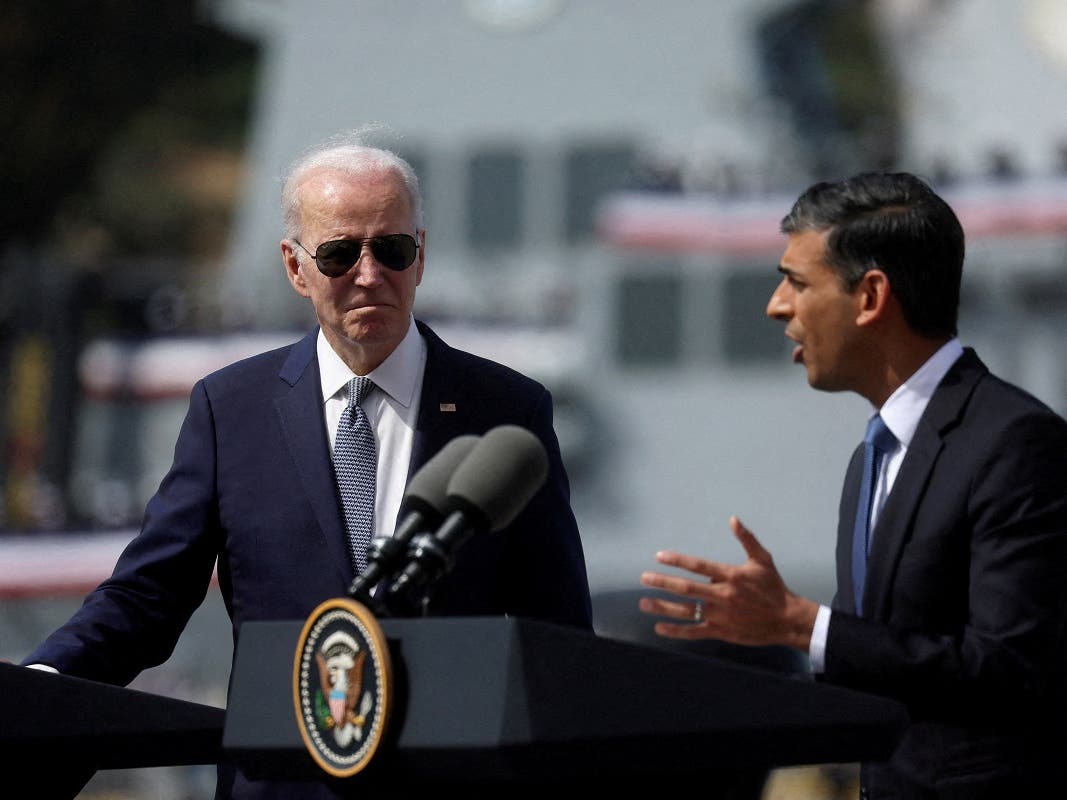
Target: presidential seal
342 686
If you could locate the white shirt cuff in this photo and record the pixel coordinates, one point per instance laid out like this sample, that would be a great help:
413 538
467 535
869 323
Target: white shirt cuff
817 651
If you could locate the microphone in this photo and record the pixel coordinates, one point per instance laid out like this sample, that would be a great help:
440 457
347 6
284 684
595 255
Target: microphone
422 508
487 491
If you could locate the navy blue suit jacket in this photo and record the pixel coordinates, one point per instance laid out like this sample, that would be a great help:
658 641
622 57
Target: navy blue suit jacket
252 485
967 593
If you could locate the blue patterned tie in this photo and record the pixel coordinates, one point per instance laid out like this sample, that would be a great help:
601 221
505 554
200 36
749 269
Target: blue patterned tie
878 441
355 460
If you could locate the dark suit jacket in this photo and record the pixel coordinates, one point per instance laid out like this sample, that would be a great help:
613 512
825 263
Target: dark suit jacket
252 485
967 593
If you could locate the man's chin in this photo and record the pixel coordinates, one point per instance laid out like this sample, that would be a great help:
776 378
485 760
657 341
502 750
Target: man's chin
370 332
823 385
816 381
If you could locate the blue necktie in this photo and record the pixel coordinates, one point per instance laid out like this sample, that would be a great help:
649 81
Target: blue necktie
878 441
355 461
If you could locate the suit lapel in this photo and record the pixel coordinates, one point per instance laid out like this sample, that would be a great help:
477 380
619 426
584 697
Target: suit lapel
444 411
894 526
845 528
300 412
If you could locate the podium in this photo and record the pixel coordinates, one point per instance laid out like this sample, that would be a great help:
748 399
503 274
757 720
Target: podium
478 701
58 730
503 701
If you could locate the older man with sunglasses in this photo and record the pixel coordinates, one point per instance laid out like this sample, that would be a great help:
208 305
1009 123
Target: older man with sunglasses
253 483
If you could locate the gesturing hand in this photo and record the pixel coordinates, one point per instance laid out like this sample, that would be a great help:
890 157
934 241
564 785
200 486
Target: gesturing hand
745 603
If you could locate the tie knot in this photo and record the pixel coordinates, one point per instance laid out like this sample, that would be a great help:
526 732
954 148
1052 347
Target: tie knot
879 435
358 388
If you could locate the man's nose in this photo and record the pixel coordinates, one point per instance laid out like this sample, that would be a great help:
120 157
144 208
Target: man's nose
367 268
778 307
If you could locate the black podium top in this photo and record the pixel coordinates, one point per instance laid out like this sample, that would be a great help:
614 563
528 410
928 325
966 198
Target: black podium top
512 699
477 700
53 720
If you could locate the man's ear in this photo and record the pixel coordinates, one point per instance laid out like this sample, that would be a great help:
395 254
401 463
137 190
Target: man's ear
292 269
873 294
420 258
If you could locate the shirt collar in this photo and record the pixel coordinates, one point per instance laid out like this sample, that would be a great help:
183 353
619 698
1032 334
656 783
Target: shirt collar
906 405
397 376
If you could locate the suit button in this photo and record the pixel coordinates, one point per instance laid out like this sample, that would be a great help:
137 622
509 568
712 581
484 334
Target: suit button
865 793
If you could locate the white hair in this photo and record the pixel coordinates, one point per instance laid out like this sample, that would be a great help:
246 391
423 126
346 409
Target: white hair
353 152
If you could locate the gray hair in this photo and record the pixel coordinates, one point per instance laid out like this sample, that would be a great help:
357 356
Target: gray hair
354 153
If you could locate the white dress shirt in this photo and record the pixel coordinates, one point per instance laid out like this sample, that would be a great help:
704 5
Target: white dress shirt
392 407
901 414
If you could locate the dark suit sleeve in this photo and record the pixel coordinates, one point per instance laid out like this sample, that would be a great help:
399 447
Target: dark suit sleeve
535 566
132 621
973 624
550 580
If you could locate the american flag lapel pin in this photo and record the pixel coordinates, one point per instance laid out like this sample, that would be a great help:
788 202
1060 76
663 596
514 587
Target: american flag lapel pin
448 406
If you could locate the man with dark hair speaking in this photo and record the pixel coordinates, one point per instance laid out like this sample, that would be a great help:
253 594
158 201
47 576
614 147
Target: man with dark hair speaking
952 536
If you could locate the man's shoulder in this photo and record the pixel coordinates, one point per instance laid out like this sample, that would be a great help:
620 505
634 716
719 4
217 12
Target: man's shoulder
998 408
472 366
1006 397
264 365
985 389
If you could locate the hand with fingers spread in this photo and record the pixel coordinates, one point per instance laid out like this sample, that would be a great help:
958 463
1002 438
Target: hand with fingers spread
746 603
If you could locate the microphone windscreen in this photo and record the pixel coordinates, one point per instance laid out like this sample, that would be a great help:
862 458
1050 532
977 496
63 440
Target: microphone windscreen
427 490
501 474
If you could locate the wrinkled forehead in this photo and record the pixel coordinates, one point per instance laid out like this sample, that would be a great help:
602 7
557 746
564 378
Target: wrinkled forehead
330 193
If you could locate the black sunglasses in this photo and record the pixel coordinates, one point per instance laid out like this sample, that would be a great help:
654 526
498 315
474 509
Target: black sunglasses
396 251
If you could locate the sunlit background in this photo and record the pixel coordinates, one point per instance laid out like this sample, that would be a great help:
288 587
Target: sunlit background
603 182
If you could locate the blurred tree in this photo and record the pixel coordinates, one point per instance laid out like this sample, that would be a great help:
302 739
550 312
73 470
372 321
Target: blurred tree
122 137
110 107
824 61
